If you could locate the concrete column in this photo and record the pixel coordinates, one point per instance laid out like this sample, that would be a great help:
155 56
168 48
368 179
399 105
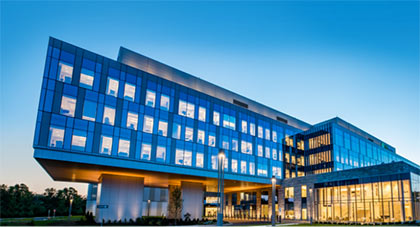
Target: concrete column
258 205
281 202
229 206
192 196
91 198
297 203
269 204
121 197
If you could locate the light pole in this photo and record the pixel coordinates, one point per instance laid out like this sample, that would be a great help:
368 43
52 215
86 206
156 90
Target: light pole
273 200
220 186
71 203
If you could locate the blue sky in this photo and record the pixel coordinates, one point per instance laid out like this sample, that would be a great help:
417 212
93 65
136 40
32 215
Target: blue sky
313 60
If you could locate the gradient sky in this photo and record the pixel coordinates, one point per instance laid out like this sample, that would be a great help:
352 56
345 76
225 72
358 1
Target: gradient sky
312 60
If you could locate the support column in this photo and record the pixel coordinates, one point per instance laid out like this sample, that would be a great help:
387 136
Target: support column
91 198
281 202
297 202
121 197
269 204
229 206
258 206
193 199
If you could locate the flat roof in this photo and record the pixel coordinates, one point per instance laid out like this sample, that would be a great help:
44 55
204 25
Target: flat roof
164 71
356 130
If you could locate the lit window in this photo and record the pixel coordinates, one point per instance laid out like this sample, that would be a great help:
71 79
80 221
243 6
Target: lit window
199 162
148 124
225 142
189 134
232 123
129 91
274 154
163 128
249 148
212 140
267 152
150 98
303 192
243 167
132 119
86 78
244 127
179 157
187 158
216 118
252 129
201 135
112 87
164 102
176 131
260 150
202 113
190 110
146 150
56 137
252 168
186 109
109 115
226 122
161 153
89 110
243 146
289 193
106 145
274 136
260 132
182 110
267 134
68 106
124 148
65 72
214 161
78 141
234 165
235 144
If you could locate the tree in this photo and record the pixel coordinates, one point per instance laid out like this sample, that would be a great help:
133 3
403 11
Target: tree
18 201
175 203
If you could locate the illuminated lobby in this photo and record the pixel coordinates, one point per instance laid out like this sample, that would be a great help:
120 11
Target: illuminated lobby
135 130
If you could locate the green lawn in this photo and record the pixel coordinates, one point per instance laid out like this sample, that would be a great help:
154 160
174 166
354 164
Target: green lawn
41 221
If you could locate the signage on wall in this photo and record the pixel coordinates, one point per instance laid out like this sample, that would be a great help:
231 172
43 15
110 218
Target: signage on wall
102 206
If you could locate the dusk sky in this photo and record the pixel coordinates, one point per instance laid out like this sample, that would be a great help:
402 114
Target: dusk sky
312 60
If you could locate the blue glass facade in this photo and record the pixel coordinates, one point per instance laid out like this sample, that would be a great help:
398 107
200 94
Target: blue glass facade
95 105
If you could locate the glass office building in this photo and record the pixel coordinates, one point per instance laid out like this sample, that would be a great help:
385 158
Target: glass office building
137 125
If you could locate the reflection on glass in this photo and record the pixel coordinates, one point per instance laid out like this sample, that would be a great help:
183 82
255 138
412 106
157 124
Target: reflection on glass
132 119
146 150
68 106
150 98
65 72
164 102
106 145
56 137
86 78
160 153
124 148
129 91
109 115
78 141
112 87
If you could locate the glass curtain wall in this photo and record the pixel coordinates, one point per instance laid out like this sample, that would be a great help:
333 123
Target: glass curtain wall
388 201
